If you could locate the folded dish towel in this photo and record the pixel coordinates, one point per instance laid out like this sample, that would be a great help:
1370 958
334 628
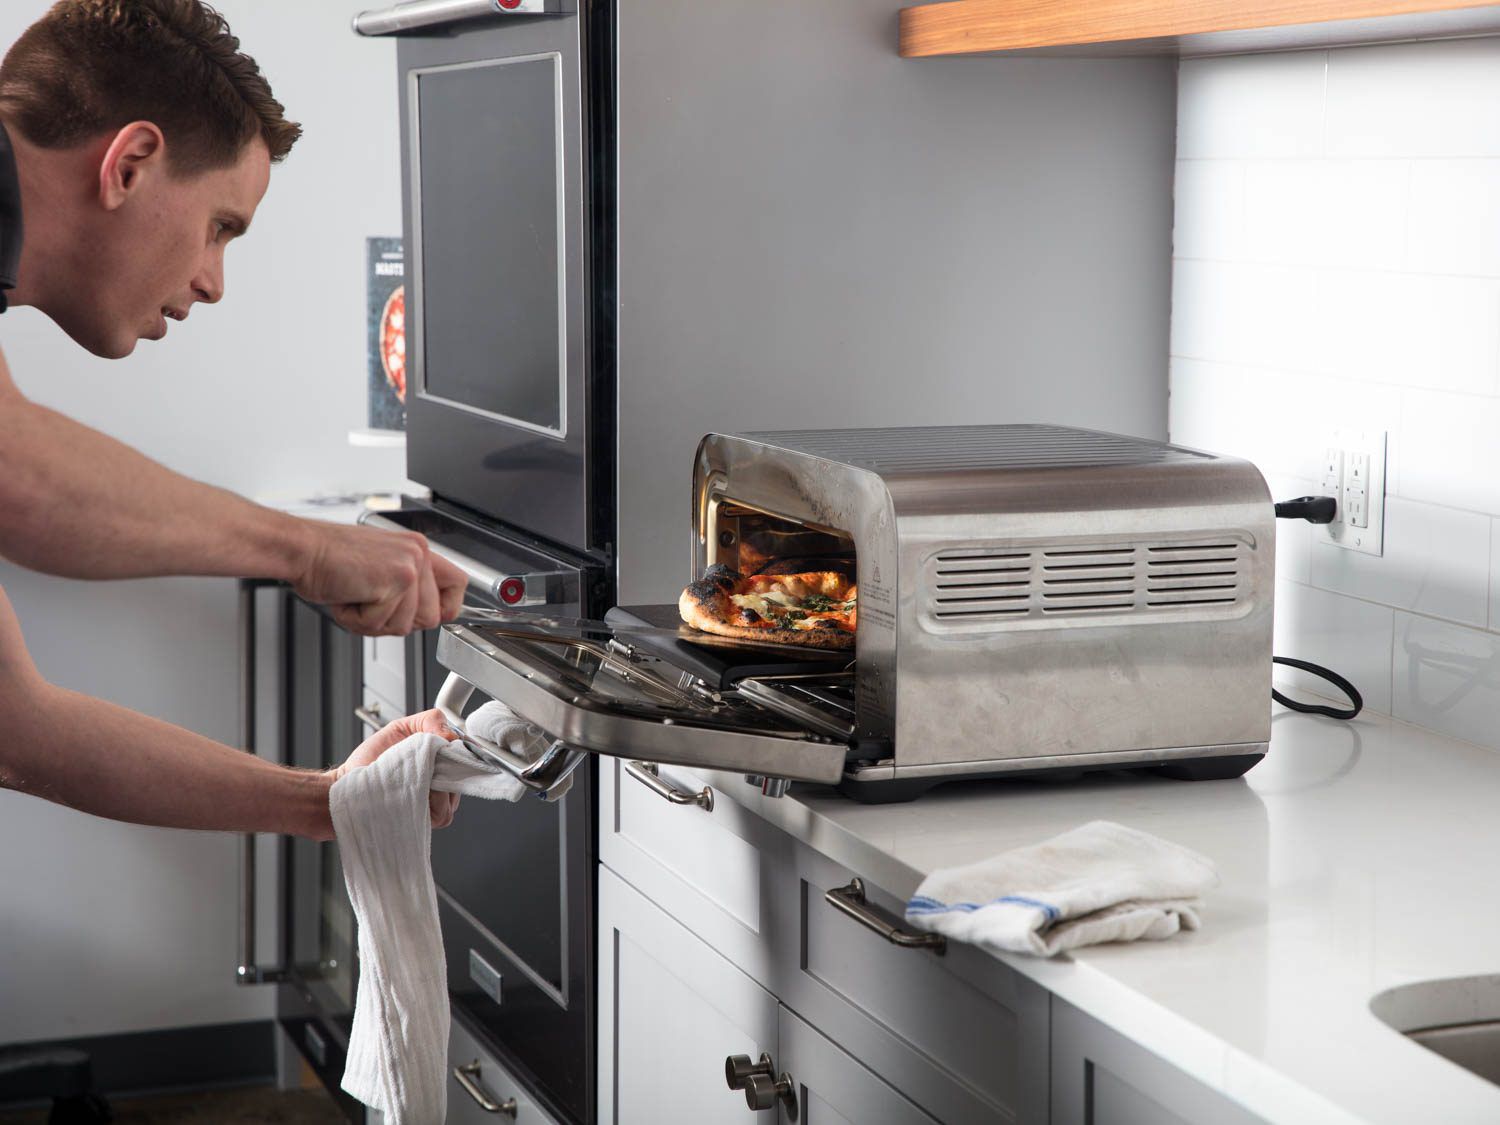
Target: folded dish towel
398 1047
1101 882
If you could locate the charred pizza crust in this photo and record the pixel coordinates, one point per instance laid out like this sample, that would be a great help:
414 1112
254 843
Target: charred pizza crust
708 604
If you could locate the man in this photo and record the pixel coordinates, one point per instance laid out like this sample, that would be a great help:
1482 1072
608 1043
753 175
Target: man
136 142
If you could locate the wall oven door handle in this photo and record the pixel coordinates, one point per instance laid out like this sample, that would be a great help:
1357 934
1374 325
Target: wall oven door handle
247 971
422 14
508 589
550 773
468 1077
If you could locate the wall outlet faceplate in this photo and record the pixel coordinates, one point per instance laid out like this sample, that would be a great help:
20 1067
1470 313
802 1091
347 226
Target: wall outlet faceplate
1354 473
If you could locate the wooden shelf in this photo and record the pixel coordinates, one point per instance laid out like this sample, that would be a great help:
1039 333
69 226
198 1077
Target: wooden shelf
1187 27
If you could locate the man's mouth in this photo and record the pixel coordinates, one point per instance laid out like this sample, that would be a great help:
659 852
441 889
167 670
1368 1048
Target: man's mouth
166 313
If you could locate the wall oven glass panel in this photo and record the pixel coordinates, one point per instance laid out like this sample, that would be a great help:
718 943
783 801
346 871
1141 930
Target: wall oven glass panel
489 231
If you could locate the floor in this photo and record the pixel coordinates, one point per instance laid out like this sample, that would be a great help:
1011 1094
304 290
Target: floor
258 1105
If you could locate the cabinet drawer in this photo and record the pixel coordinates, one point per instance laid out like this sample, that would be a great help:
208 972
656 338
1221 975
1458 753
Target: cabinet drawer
378 710
713 870
958 1033
1101 1078
385 668
832 1086
471 1064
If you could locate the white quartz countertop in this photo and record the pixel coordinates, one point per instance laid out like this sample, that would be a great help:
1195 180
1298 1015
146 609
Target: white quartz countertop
1357 857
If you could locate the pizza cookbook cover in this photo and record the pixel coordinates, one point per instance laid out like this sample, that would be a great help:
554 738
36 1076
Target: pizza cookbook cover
385 331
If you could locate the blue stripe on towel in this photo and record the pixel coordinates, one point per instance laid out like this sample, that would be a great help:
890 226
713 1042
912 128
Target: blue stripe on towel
921 904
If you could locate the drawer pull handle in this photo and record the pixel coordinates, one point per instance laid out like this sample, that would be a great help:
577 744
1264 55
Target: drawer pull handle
649 775
762 1087
851 901
371 717
468 1078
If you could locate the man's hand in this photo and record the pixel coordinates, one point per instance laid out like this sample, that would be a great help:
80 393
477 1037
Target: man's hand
378 583
442 806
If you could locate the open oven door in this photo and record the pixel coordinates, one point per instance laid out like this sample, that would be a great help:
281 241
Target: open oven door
597 688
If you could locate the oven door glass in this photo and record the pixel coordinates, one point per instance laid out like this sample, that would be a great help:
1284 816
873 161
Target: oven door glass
590 687
489 298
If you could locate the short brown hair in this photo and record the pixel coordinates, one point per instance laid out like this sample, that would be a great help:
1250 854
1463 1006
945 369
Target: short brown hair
89 66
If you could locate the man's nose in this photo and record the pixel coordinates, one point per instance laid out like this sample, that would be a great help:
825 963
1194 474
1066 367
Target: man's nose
208 286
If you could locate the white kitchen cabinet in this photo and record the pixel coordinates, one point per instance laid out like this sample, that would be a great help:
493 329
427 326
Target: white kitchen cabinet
959 1032
670 1011
831 1086
714 869
1101 1078
385 671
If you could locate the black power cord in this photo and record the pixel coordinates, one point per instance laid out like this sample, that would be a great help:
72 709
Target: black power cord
1315 509
1333 678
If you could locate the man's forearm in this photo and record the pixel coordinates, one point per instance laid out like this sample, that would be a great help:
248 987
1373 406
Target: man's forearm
106 760
77 503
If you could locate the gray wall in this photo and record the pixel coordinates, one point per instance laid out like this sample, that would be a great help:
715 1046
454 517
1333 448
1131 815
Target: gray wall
109 928
901 241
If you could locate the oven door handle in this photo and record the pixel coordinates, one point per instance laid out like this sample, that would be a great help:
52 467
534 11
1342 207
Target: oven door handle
549 774
422 14
507 589
247 971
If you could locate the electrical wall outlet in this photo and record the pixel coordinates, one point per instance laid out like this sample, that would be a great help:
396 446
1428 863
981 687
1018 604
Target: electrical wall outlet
1354 474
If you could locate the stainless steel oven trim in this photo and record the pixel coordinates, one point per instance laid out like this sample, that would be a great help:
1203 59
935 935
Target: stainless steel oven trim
553 587
886 770
435 13
596 730
418 361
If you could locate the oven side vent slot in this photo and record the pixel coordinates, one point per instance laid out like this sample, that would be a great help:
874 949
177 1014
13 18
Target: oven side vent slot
981 586
973 587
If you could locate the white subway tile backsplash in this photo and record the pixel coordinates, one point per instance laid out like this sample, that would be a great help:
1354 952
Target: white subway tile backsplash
1286 207
1447 678
1236 312
1413 330
1209 214
1365 212
1351 637
1280 420
1411 99
1436 561
1228 409
1450 450
1455 217
1337 265
1251 106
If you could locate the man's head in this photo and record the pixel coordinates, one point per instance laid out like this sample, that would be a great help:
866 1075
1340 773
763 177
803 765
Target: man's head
144 139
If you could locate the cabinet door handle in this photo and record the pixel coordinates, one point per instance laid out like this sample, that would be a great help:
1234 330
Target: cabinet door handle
763 1088
371 717
468 1077
649 775
851 900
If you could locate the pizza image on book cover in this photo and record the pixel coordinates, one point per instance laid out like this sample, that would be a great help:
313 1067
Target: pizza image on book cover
385 332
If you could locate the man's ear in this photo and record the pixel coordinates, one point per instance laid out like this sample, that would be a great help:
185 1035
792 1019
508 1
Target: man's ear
137 150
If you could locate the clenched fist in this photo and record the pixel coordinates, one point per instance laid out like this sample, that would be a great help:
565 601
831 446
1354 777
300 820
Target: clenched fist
378 583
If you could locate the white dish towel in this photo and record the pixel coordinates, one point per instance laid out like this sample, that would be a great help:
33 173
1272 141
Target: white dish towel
1101 882
398 1047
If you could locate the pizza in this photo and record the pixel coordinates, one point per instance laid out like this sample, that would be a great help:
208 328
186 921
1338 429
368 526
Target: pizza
815 608
393 341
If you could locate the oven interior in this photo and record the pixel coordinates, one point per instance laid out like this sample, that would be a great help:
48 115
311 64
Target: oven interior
753 541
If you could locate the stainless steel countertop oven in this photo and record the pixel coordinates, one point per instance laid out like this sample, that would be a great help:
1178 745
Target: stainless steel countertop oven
1032 599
